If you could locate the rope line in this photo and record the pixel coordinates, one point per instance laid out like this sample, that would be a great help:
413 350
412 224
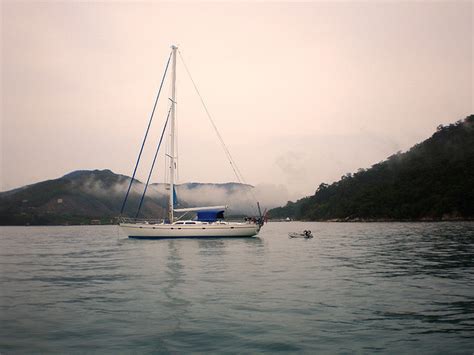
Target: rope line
146 135
153 164
234 166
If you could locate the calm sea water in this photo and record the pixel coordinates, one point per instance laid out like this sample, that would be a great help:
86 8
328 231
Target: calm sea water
366 288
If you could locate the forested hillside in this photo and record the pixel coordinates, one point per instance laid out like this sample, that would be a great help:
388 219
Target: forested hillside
434 180
96 195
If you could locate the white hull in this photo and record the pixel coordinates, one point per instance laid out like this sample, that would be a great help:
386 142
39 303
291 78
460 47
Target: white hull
217 230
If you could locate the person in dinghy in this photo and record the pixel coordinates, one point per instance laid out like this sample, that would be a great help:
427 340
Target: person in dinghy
305 234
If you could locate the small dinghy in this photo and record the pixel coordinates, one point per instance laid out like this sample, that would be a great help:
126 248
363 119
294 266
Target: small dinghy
304 234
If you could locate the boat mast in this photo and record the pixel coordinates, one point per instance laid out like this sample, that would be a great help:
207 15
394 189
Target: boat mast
172 128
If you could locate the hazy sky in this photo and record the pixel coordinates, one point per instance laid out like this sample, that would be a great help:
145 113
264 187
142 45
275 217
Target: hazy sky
301 92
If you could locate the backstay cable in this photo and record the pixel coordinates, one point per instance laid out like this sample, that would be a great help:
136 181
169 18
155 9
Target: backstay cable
234 166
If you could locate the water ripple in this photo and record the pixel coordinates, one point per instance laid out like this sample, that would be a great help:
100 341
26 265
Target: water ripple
367 288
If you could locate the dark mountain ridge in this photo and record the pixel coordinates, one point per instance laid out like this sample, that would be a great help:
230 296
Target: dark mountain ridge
84 195
434 180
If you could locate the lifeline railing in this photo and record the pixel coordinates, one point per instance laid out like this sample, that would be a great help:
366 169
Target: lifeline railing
140 220
163 221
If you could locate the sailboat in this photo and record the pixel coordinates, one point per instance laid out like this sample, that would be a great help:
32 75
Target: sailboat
209 221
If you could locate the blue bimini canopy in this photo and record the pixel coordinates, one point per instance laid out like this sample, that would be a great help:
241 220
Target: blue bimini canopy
210 216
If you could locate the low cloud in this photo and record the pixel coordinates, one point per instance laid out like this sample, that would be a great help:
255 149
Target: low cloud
240 198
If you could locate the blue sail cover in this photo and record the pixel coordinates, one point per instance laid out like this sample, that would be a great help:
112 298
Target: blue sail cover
210 216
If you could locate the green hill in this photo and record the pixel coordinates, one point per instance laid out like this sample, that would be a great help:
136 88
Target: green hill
434 180
85 195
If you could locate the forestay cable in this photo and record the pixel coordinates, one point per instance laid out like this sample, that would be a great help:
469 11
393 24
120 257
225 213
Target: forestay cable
153 164
146 135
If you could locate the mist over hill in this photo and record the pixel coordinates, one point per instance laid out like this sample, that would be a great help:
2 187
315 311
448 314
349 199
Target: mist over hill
83 195
434 180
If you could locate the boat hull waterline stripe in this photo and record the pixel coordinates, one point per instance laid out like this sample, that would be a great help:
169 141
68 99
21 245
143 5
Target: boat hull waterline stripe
191 237
188 231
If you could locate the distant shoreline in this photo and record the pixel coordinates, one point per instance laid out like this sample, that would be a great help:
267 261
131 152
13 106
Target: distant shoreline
424 220
381 220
